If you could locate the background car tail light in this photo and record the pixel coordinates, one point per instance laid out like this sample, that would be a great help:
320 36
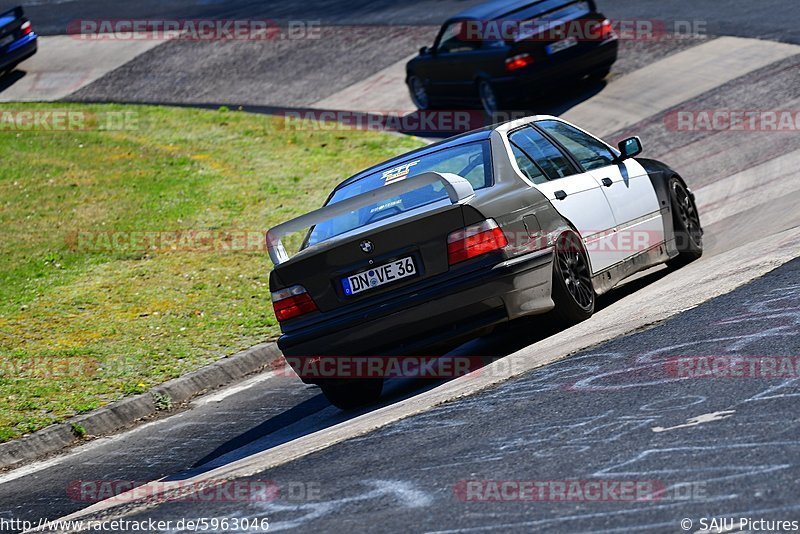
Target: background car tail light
292 302
519 61
26 27
475 241
606 30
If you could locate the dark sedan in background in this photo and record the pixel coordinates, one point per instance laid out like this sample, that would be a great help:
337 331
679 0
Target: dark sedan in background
502 53
17 39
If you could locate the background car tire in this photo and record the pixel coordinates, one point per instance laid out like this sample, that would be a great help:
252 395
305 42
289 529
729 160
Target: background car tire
600 75
490 102
353 393
573 292
686 224
418 92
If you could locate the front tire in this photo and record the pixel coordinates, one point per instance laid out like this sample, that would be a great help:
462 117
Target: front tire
685 223
352 393
573 292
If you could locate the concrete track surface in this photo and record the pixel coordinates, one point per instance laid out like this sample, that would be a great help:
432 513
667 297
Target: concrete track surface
593 402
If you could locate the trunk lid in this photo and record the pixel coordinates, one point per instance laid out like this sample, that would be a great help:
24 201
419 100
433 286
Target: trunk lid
419 239
562 32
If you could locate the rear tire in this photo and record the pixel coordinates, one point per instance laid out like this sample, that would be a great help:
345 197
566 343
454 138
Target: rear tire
419 95
601 74
352 393
573 292
490 102
685 223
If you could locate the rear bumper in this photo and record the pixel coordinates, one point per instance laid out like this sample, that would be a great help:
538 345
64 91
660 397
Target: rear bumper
19 51
543 77
446 311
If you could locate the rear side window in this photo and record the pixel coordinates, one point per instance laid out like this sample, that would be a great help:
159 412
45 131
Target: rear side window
590 153
527 166
543 152
454 40
471 161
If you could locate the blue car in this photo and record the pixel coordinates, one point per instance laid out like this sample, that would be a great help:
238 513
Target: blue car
17 39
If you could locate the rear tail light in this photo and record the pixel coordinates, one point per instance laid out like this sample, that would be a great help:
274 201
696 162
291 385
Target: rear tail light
292 302
606 30
475 241
519 61
26 27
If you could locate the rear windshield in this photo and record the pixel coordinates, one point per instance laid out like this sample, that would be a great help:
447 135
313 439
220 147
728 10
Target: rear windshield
471 161
536 19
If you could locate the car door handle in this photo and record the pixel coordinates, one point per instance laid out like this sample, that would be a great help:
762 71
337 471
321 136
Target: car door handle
560 195
608 182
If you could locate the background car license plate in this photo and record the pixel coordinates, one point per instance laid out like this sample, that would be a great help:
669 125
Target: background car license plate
378 276
561 45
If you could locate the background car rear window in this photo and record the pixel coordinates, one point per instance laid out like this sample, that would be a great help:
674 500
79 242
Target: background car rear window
535 18
590 153
471 161
543 152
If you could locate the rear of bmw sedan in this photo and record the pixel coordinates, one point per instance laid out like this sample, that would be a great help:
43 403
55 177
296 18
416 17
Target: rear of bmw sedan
569 42
402 272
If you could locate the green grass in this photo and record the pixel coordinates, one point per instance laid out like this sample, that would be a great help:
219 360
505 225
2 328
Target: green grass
83 324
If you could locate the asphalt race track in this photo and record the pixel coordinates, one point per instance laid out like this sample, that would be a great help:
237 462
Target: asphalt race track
612 413
767 19
599 401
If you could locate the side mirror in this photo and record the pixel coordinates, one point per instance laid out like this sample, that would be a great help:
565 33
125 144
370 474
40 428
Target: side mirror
424 51
629 148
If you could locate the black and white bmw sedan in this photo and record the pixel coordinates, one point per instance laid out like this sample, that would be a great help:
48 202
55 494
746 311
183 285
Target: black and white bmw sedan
528 217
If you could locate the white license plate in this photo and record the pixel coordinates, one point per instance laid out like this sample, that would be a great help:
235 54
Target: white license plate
561 45
379 276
